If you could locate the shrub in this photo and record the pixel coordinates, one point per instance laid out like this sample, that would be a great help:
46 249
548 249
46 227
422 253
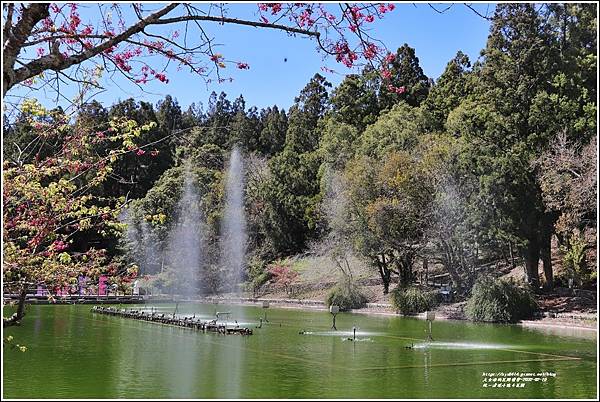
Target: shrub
282 275
500 300
347 295
412 300
575 262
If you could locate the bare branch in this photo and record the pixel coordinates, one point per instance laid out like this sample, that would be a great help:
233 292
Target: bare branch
225 20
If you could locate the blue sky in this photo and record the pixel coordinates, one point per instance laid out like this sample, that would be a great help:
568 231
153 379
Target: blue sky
435 37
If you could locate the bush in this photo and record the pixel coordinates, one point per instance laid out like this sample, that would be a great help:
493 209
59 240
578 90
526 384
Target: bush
347 296
282 275
575 263
500 300
412 300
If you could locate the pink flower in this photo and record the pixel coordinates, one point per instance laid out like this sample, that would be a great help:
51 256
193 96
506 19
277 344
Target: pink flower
391 7
59 245
162 78
275 8
369 18
371 51
243 66
398 90
140 152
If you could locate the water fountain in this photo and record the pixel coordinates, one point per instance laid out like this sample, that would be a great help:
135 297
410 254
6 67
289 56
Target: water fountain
185 243
233 229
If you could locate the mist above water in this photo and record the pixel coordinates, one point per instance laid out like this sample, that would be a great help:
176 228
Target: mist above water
142 241
233 229
185 244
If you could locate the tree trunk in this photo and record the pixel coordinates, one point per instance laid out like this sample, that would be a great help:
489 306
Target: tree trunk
546 254
15 319
449 264
385 278
384 272
532 257
404 269
512 255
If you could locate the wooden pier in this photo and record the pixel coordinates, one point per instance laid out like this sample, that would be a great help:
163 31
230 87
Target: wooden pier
171 319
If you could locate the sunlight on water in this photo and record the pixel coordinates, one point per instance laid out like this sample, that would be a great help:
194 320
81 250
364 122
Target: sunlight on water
460 345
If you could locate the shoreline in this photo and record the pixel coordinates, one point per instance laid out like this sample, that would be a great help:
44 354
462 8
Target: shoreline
385 310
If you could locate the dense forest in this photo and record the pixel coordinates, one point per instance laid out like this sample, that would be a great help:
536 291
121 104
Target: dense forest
490 162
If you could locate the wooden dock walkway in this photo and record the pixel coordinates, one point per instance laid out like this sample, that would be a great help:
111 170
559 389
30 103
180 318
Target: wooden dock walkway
172 319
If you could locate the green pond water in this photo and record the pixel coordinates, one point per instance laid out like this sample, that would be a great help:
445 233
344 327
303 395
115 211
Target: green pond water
73 353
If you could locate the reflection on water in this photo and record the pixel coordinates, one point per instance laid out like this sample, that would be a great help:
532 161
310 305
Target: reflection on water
294 355
565 331
357 339
461 345
342 333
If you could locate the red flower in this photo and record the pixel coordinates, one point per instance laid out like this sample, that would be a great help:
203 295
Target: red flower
59 245
243 66
162 78
275 8
371 51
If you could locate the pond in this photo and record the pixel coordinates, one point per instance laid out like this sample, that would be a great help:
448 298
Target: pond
74 353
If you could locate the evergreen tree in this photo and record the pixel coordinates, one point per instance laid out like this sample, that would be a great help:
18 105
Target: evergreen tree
451 88
274 123
405 72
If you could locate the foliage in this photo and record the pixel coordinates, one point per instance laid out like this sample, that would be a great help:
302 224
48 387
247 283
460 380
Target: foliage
500 300
282 275
355 101
413 300
395 130
574 261
390 204
347 295
449 91
53 212
507 123
403 79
